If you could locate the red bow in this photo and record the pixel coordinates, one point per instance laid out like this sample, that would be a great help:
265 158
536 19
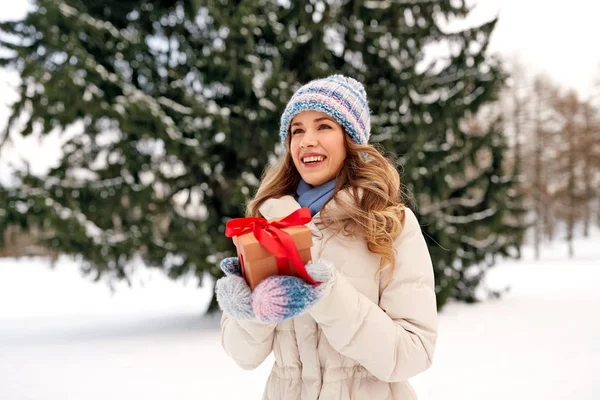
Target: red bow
276 240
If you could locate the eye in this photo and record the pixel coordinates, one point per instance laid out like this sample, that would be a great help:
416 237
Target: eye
324 126
295 131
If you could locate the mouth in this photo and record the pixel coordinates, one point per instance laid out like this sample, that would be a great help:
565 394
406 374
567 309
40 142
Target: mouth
313 161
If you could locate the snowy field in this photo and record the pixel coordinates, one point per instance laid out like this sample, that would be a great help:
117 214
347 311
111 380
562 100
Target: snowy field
64 337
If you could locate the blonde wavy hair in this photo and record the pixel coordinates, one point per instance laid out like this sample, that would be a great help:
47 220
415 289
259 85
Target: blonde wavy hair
375 210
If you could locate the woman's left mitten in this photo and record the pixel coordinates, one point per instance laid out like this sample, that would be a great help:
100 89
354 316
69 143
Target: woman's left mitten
279 298
233 294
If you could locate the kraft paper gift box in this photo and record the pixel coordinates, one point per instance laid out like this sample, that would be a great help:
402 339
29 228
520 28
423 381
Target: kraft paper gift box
257 262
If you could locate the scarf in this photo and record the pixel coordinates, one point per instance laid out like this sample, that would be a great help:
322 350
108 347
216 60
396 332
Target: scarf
314 197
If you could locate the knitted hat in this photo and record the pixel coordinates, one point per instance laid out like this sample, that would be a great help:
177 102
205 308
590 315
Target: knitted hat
341 97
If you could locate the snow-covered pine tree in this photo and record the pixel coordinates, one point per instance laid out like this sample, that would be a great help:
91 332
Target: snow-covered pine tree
179 105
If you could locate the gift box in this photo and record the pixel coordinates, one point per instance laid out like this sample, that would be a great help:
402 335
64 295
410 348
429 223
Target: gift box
272 247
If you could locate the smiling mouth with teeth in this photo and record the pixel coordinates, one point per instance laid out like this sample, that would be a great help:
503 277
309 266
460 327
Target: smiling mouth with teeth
312 159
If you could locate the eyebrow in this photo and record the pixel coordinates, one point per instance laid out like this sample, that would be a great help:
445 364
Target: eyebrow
316 120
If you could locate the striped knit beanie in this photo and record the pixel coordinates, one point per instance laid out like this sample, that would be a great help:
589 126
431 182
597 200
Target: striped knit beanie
341 97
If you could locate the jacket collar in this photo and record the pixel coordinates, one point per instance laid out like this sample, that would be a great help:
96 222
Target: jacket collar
278 207
283 206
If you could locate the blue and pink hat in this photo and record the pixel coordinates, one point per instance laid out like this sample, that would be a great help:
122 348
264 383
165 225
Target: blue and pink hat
341 97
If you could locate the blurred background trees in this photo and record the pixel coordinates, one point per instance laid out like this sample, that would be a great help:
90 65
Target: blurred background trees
169 112
558 146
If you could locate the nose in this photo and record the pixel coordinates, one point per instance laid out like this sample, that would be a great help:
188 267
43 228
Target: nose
309 139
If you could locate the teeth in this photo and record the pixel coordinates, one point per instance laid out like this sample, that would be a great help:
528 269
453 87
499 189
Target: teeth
312 159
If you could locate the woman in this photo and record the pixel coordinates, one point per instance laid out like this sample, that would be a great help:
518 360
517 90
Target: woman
371 322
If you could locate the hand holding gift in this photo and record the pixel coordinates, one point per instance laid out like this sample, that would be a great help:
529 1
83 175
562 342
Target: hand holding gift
276 298
273 278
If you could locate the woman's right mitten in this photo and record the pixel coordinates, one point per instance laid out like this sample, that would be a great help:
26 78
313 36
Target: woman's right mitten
233 293
279 298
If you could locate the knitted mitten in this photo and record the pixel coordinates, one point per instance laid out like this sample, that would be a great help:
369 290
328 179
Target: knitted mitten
232 291
279 298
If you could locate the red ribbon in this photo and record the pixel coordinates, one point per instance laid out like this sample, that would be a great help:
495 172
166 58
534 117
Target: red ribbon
271 235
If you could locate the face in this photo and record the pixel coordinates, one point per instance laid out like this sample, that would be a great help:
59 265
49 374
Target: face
317 146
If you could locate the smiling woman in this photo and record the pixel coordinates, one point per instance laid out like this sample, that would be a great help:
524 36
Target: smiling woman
370 322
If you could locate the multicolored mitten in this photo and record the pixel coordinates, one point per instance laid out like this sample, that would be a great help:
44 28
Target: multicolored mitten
233 293
279 298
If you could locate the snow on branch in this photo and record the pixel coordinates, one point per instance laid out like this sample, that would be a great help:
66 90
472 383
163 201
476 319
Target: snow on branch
92 230
463 202
181 109
385 4
135 95
94 23
90 88
480 244
467 219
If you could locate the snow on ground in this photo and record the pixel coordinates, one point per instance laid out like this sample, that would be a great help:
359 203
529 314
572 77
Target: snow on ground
65 337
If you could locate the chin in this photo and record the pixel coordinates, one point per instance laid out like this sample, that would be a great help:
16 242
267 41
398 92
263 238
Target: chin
315 181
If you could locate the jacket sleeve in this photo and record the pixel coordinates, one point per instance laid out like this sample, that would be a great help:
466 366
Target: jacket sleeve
247 343
394 340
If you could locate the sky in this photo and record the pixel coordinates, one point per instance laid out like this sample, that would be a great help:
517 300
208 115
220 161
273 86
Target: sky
554 37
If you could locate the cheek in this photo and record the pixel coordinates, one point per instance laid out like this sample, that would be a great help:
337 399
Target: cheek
338 150
294 151
339 160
